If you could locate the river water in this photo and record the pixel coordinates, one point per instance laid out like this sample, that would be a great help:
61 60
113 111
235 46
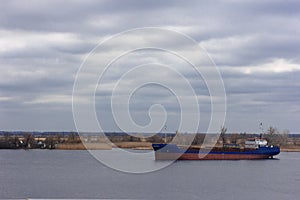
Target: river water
77 175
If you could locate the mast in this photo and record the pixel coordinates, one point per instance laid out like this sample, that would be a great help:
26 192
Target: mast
261 130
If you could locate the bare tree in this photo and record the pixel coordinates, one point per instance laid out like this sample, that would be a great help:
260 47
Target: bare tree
272 130
71 137
222 134
198 139
271 135
284 137
234 137
28 140
50 142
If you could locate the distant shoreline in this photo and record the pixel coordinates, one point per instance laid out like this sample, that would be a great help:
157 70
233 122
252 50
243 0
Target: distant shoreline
107 141
289 150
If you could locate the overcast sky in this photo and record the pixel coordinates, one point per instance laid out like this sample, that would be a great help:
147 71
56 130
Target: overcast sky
255 44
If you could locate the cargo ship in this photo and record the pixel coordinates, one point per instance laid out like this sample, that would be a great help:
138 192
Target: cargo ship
254 148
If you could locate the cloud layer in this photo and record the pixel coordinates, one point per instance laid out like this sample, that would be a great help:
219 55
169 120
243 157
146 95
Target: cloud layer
255 45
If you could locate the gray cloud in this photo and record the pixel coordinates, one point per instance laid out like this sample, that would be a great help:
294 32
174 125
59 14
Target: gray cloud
255 45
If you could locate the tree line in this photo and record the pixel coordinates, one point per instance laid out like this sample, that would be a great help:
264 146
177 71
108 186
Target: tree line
27 140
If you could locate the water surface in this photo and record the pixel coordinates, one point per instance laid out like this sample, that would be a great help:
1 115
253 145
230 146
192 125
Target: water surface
76 174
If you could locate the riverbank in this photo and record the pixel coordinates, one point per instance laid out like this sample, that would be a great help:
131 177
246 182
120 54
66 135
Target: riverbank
289 150
105 146
81 146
